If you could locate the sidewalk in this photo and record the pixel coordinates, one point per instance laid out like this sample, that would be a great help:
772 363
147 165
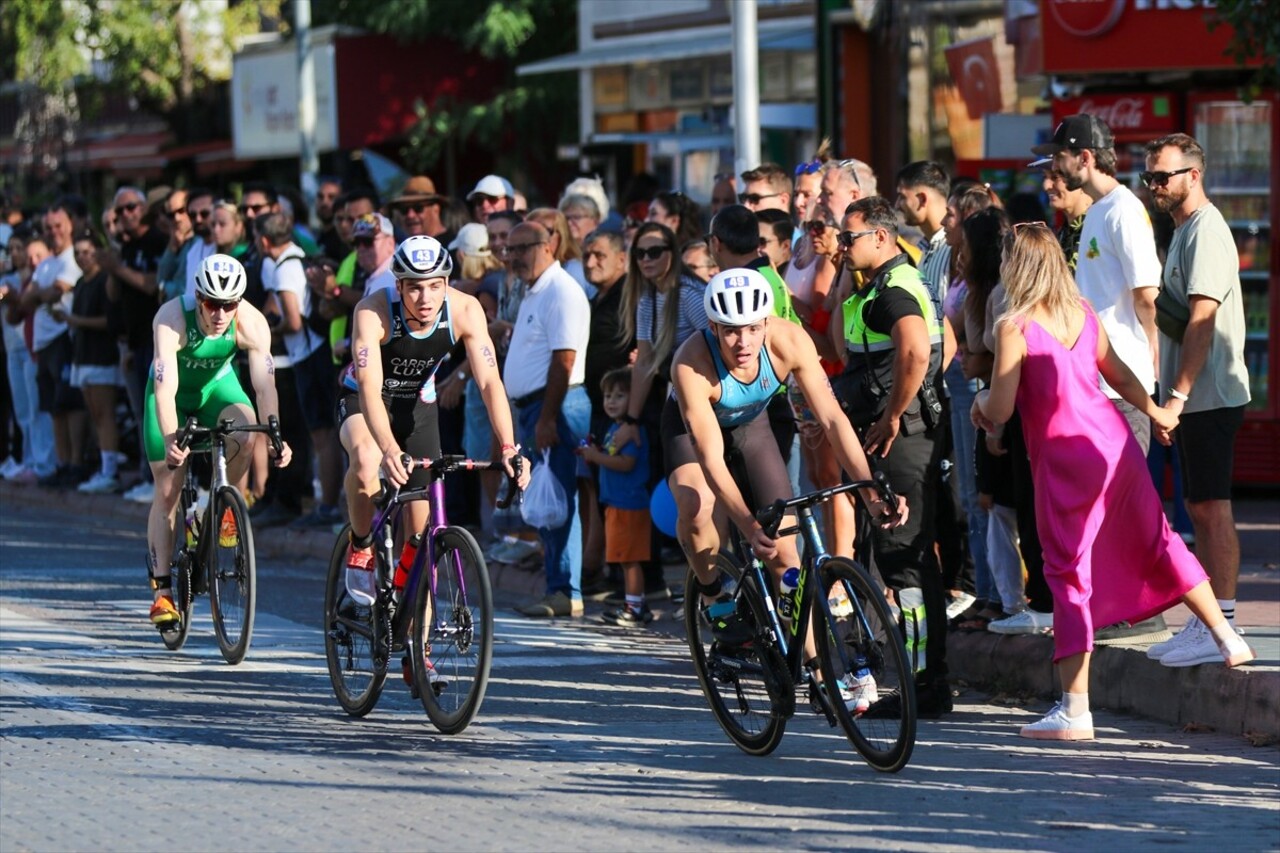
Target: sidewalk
1245 701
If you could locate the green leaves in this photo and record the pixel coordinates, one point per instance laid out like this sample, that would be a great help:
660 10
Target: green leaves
1257 34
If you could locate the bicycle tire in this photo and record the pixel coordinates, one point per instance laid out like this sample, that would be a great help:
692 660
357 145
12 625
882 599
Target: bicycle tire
453 649
350 639
885 733
739 686
232 574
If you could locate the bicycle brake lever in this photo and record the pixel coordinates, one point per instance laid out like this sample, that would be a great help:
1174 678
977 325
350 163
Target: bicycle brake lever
513 485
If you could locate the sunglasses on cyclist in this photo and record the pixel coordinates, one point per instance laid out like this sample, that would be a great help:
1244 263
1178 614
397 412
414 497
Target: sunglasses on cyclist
1160 179
127 207
212 305
650 253
755 198
848 238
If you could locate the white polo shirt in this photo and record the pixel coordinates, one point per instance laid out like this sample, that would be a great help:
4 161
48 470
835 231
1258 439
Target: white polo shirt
61 267
286 274
1117 256
196 254
555 315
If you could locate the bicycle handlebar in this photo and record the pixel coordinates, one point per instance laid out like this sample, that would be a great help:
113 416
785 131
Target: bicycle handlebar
770 517
449 464
192 430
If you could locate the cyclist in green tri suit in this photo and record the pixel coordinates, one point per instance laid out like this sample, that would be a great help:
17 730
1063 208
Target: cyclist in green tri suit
193 374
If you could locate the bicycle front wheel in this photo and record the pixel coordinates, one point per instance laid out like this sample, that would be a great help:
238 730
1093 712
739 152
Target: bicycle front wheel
736 680
451 636
357 669
858 641
233 582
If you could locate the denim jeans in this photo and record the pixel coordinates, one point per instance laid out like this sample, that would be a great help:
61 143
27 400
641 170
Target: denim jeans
964 435
562 546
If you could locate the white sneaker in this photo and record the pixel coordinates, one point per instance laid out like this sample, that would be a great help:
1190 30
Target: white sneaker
10 467
959 604
1203 648
143 493
1023 622
99 484
1056 725
858 694
20 474
1190 633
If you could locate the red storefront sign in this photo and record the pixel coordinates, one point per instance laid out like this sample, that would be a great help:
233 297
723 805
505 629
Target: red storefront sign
1132 116
1132 35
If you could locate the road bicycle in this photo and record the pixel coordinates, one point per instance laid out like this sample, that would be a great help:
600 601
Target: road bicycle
751 687
442 618
222 562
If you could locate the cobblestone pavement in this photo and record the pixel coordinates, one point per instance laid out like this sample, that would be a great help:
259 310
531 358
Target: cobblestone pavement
589 738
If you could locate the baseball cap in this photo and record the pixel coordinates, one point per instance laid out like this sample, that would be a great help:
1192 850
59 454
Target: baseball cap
1077 132
1040 162
493 185
473 238
372 224
417 188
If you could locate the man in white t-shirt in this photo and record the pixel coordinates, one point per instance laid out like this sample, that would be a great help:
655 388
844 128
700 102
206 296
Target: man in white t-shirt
374 239
285 280
1118 270
546 363
55 278
200 211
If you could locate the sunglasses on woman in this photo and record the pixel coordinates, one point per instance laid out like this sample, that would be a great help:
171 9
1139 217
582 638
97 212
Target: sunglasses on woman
650 253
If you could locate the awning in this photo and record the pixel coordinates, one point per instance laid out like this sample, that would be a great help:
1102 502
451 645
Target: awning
789 35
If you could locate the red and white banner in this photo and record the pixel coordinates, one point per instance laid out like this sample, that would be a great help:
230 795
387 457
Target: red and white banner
976 73
1132 116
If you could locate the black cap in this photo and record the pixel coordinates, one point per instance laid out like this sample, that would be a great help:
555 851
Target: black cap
1078 132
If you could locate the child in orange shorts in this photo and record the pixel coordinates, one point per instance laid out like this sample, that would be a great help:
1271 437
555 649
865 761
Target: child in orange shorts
625 495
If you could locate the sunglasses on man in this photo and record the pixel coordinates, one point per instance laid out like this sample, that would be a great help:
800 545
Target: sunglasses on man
127 207
848 238
755 198
255 209
1160 179
808 168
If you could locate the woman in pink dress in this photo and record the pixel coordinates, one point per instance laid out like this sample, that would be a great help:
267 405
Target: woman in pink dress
1095 503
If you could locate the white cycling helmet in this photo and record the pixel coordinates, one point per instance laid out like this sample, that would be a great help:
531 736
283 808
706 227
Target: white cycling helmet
421 257
221 277
738 297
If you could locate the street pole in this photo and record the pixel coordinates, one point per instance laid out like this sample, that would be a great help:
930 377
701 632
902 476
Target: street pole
746 87
308 160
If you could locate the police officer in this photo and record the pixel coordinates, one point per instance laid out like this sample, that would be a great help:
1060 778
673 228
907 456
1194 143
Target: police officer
892 340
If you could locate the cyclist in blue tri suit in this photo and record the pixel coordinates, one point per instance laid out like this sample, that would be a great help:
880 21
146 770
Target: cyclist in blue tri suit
723 381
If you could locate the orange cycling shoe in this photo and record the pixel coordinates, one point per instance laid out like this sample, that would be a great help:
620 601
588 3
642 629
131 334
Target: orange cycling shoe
163 612
228 536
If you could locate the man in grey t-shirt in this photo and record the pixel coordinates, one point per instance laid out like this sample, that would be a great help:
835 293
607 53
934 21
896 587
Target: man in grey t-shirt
1202 371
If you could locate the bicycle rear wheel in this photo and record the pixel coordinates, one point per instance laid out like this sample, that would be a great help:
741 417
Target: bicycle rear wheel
351 640
233 582
451 637
880 715
737 681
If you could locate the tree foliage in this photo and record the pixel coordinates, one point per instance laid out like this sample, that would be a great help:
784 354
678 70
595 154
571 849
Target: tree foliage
510 31
1257 34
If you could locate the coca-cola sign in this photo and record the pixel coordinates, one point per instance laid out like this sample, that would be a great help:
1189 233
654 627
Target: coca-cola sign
1086 18
1132 116
1091 36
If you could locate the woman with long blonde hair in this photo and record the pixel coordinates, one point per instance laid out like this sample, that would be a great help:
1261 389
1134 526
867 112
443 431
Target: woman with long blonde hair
1094 496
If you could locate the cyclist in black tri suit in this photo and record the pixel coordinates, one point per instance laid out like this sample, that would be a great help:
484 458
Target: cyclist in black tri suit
389 402
723 381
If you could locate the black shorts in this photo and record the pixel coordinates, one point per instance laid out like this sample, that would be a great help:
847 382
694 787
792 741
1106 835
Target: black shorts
317 379
1206 443
53 377
750 449
415 426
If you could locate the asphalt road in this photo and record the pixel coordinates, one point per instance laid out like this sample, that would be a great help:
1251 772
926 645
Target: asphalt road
589 738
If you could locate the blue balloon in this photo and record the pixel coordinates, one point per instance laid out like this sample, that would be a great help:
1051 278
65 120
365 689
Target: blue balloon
662 508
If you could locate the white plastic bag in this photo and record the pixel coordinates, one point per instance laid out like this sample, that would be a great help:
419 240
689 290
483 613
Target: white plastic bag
544 503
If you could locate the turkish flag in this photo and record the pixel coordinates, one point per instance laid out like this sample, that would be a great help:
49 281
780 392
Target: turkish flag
977 75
